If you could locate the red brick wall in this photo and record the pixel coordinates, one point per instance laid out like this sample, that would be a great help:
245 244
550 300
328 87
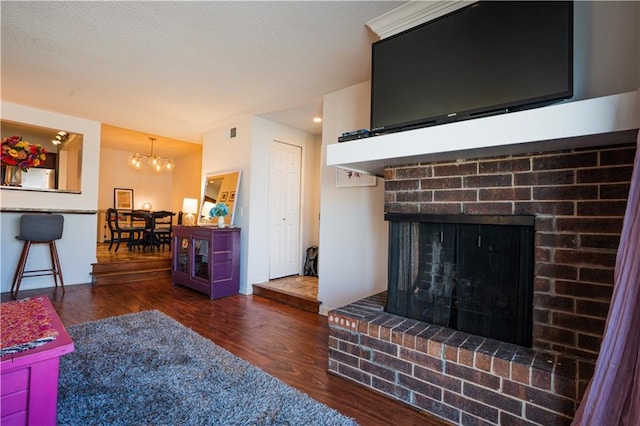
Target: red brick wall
462 378
578 198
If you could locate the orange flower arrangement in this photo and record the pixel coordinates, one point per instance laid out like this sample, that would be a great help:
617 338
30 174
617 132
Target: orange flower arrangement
16 152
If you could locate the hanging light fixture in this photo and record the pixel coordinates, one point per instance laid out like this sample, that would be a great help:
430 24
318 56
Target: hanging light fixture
157 163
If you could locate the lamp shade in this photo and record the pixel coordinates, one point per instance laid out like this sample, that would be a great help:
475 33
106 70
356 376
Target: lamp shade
190 205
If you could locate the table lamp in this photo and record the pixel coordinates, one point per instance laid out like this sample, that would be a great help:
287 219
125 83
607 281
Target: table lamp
189 206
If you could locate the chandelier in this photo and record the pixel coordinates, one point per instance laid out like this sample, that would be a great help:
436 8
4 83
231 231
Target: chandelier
157 163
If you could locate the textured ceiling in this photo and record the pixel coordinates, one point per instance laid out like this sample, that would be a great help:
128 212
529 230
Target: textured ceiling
178 69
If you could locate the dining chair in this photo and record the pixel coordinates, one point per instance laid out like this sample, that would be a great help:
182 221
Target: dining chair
123 230
142 219
161 229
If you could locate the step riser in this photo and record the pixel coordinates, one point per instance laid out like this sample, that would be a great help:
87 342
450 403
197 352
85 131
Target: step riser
300 303
130 277
105 268
130 271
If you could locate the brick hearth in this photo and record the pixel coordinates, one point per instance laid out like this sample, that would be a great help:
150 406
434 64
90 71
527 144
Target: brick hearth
578 198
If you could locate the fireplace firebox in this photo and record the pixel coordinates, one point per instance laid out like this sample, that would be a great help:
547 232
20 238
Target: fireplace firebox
472 273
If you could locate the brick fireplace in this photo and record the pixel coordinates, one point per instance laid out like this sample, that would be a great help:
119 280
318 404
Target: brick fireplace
577 198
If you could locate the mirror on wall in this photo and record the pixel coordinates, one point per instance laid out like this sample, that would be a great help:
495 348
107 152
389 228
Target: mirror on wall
62 167
220 187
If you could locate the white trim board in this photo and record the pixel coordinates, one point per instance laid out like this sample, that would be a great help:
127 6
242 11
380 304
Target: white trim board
599 121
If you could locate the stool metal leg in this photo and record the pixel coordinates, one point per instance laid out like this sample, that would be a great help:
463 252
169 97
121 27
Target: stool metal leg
17 278
55 263
56 269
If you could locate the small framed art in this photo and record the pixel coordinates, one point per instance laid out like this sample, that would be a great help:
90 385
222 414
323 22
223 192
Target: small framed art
123 198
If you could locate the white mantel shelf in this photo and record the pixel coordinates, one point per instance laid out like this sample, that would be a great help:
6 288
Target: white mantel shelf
606 120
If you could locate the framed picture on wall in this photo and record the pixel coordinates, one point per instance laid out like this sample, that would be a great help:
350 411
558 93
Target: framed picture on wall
232 196
348 178
123 198
224 196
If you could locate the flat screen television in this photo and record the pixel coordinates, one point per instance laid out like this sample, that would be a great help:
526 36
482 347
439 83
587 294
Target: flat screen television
487 58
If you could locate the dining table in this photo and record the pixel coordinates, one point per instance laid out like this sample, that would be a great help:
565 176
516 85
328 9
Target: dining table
149 219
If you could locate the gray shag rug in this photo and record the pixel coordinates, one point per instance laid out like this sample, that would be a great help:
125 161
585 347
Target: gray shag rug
148 369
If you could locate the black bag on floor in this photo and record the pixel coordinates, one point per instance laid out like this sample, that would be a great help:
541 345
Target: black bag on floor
311 262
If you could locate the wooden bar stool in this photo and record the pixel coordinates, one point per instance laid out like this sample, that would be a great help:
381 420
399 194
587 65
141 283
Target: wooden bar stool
39 229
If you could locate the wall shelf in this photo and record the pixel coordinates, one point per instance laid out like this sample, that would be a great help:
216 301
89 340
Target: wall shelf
606 120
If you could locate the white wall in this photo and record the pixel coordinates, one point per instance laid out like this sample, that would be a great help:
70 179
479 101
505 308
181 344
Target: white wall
353 233
77 248
147 185
220 153
249 152
606 48
187 180
311 193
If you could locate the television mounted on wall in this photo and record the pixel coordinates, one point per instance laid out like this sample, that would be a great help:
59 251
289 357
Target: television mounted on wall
487 58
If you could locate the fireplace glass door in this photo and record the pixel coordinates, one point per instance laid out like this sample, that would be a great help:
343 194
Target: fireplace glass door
471 277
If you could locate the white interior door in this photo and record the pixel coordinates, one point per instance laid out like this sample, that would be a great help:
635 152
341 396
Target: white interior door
284 209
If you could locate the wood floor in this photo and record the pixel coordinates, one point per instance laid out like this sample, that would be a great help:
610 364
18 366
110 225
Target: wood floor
123 254
284 341
128 265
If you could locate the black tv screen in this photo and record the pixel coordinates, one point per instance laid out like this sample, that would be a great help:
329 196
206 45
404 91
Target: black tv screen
487 58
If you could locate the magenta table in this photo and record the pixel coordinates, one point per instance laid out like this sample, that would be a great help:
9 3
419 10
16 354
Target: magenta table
29 382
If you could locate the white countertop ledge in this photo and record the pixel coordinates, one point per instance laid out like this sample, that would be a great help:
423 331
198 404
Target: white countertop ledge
606 120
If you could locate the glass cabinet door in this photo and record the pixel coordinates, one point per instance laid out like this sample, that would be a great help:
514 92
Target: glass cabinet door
201 258
182 255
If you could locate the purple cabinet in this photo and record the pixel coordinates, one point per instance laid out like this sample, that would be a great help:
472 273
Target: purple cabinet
29 379
207 259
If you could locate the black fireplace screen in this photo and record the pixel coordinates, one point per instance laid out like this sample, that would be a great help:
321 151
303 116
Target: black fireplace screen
472 277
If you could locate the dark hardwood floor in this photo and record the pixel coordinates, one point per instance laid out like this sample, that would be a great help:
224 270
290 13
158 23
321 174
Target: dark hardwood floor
286 342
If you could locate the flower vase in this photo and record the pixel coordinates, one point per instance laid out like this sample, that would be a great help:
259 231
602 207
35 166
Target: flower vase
13 176
220 221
